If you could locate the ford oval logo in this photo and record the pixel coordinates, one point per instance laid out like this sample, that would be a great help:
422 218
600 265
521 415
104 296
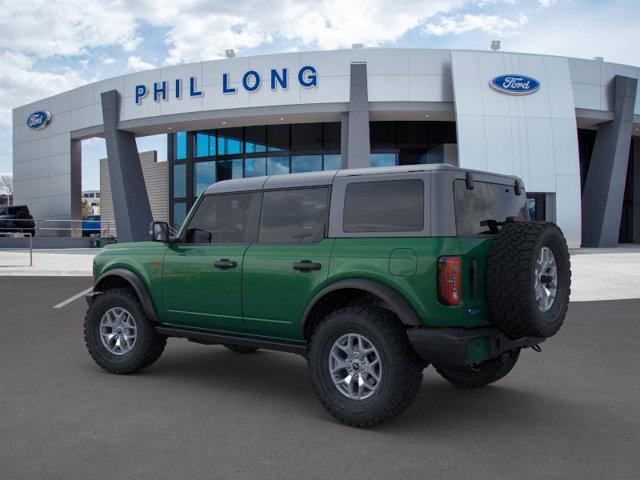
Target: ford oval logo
515 84
38 119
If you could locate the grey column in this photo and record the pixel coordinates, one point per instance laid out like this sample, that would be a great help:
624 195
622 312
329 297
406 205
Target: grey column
636 190
128 191
604 187
357 142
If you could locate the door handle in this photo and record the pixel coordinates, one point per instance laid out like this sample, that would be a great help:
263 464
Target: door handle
225 263
306 266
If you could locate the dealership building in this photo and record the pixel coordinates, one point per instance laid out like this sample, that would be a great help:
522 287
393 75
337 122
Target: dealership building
568 127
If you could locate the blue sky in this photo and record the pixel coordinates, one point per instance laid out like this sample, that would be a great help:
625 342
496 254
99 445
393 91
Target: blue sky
52 47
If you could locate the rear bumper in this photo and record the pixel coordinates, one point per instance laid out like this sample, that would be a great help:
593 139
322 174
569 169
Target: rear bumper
457 347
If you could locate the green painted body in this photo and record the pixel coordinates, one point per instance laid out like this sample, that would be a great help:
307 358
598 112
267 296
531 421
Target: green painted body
265 297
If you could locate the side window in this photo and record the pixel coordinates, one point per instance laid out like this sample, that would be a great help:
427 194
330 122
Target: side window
294 216
220 219
384 206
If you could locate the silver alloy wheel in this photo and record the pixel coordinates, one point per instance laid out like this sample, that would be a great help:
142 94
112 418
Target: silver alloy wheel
354 366
118 330
546 279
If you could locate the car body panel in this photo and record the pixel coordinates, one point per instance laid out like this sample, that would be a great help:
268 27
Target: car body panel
274 294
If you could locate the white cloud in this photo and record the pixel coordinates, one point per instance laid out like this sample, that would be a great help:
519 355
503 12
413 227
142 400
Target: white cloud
135 63
21 83
547 3
326 24
491 24
108 61
46 29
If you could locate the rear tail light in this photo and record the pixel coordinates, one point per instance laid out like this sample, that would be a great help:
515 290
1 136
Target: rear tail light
449 280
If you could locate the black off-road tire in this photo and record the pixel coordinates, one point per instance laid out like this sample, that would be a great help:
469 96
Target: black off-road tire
401 374
510 280
240 348
148 346
483 374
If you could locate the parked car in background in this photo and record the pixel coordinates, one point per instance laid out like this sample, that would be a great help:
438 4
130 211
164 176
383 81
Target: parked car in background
17 219
91 225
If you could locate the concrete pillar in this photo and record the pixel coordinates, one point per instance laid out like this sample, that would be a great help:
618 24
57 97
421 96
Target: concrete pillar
130 201
357 142
604 187
636 190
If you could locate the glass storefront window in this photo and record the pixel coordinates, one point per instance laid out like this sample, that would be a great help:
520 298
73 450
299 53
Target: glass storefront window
180 180
332 162
277 165
180 146
179 214
331 141
255 139
204 174
306 163
383 159
229 141
205 144
255 167
306 137
228 169
278 137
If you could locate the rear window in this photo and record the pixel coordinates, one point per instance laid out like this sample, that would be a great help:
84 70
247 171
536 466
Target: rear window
385 206
476 208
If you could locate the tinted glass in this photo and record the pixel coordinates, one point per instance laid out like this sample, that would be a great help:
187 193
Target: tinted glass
332 136
220 219
388 206
332 162
180 180
306 163
412 135
294 216
228 169
306 137
277 165
255 167
255 139
180 146
383 159
278 137
204 174
205 144
383 135
487 201
229 141
179 214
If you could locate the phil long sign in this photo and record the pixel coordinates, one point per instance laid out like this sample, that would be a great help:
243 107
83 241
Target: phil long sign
250 81
515 84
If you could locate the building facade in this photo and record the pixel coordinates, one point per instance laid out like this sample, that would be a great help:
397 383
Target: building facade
568 127
155 179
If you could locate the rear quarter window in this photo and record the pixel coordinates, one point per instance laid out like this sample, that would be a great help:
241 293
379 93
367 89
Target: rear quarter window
487 201
384 206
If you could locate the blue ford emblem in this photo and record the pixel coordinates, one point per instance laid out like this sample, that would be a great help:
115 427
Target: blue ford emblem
515 84
38 119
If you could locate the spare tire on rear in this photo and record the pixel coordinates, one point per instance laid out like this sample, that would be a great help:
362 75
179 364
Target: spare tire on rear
528 279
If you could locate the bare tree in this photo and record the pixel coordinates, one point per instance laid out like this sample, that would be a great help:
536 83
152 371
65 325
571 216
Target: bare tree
6 186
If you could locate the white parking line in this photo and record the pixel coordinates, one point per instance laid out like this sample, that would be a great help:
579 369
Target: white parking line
75 297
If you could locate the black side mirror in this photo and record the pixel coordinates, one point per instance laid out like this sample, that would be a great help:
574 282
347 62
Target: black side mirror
159 232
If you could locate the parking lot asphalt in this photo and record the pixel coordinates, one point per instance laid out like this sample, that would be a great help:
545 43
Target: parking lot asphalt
572 411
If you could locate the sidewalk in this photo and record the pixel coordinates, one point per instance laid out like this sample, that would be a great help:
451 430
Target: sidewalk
71 262
597 274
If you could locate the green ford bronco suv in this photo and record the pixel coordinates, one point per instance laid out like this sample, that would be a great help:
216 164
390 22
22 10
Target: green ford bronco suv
371 274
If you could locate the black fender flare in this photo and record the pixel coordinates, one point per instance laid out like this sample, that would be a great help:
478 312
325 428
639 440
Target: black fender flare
396 302
138 285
